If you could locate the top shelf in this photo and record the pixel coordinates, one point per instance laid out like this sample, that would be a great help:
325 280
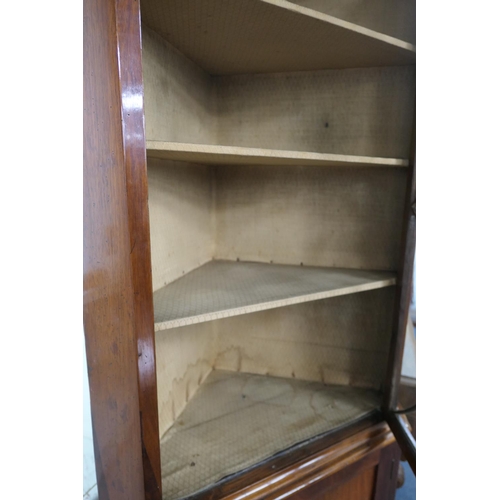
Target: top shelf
269 36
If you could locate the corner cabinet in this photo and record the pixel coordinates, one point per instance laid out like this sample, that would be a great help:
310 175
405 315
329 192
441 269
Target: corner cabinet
249 232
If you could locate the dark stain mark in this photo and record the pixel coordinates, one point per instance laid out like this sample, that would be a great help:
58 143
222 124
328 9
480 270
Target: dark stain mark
114 348
326 125
192 464
112 403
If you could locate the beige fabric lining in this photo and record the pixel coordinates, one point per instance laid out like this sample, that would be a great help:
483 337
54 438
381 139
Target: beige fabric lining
220 289
257 36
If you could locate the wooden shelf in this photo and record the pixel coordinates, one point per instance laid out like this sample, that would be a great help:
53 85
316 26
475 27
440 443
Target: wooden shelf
208 154
220 289
237 420
261 36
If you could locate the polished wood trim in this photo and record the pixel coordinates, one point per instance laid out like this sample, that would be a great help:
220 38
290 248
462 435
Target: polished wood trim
338 464
128 34
405 439
359 488
260 473
386 481
373 477
354 482
258 477
108 299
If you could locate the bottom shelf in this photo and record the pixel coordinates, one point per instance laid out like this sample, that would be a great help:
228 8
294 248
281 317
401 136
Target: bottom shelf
237 420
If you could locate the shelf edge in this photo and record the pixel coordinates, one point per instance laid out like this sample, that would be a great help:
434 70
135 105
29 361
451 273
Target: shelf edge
321 16
174 151
273 304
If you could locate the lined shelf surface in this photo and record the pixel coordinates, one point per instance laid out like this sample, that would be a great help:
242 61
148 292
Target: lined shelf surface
209 154
220 289
258 36
237 420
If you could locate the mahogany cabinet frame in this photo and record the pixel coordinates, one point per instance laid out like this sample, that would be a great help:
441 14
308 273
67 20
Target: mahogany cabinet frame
118 305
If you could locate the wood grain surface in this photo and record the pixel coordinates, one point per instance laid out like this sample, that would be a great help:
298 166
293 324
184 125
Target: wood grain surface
108 300
321 472
128 35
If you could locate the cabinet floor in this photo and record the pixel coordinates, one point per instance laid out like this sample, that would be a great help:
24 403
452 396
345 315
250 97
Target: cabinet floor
237 420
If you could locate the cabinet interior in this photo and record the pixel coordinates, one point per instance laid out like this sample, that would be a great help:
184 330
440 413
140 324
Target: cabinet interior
276 176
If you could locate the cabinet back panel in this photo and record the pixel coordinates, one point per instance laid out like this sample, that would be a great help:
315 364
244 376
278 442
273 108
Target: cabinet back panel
341 217
365 112
178 95
343 340
184 358
181 216
391 17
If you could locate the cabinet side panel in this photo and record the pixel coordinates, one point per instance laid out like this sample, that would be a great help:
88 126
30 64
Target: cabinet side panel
348 218
365 112
178 95
180 206
184 358
132 91
108 293
343 340
391 17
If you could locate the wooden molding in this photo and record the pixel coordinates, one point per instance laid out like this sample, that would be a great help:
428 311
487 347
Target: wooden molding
108 298
118 315
363 449
128 37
